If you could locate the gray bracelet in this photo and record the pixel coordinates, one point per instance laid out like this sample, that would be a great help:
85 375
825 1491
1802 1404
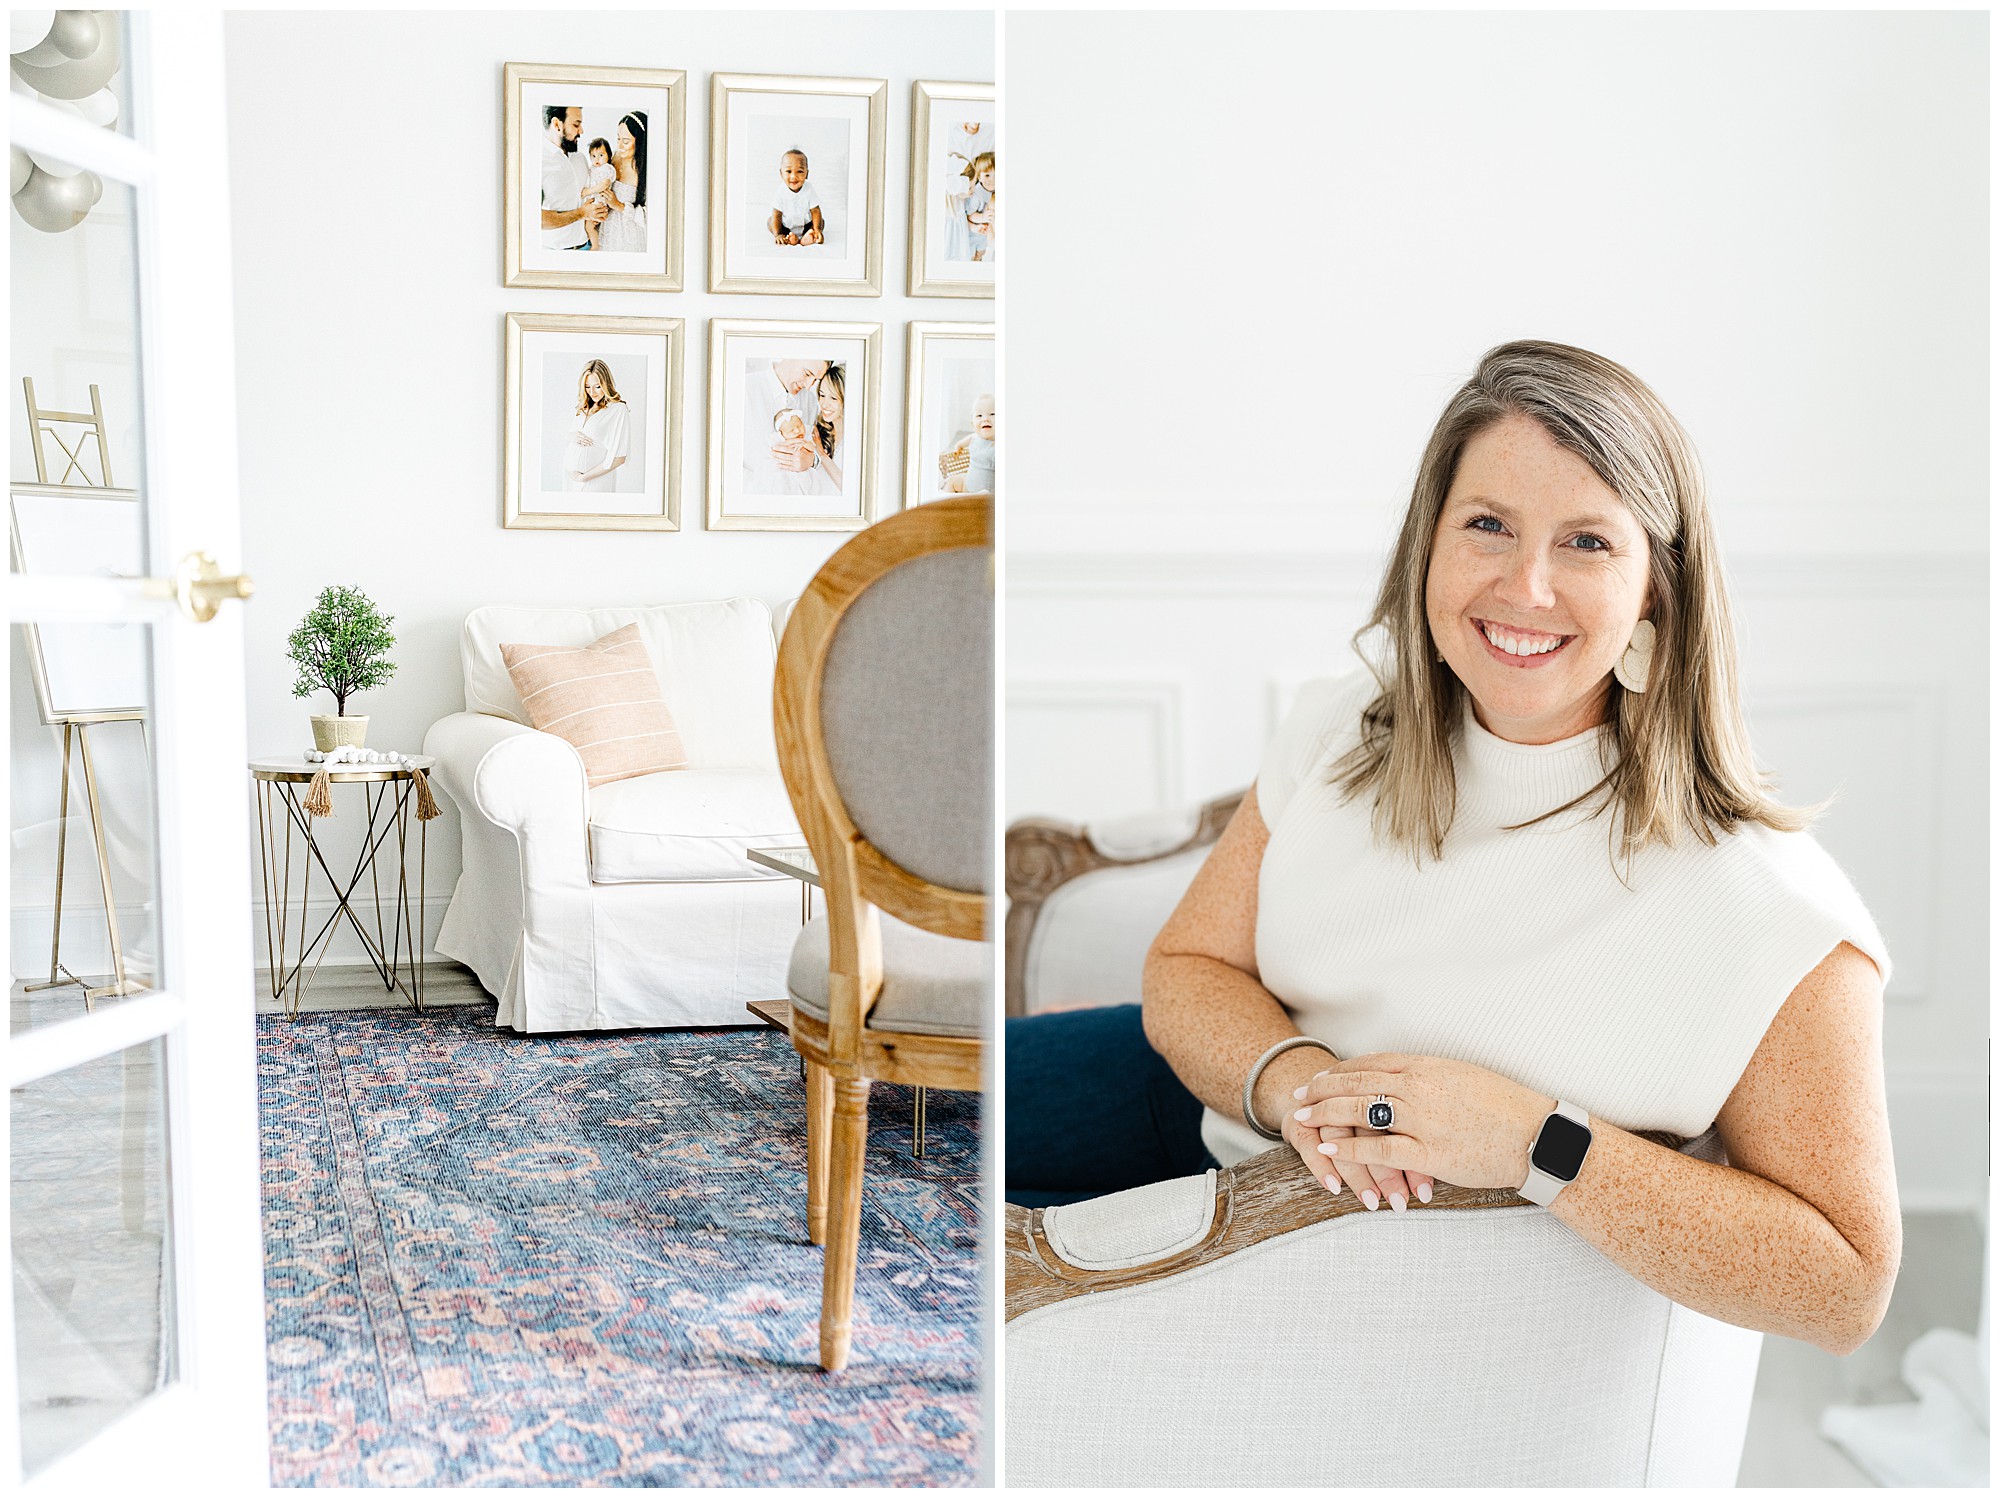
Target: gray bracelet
1289 1043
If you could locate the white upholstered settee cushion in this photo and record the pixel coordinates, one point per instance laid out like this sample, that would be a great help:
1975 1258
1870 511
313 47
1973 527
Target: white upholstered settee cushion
1429 1348
714 660
688 825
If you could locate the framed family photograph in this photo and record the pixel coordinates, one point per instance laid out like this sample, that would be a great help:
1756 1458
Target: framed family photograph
796 184
596 158
793 423
592 432
948 440
953 182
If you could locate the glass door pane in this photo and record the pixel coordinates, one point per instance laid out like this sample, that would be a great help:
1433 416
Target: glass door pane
93 1283
83 866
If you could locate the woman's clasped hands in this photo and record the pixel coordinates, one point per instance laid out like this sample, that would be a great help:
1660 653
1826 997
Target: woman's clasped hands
1453 1122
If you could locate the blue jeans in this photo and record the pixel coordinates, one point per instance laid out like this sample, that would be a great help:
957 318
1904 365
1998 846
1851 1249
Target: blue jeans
1092 1109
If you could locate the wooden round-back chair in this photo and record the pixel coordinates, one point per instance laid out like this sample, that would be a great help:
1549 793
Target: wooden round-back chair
884 713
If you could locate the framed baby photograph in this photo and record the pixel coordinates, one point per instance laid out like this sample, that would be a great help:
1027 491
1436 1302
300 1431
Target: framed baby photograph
796 184
948 440
793 424
953 181
596 159
592 433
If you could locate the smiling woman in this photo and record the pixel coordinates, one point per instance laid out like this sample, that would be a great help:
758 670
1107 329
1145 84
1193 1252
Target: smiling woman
1516 896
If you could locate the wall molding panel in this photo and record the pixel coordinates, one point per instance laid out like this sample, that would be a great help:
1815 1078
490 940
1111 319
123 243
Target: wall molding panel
1093 727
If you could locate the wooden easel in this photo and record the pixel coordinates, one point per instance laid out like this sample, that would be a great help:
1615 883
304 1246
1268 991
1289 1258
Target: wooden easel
77 729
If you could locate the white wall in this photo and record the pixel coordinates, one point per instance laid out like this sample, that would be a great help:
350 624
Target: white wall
365 152
1227 347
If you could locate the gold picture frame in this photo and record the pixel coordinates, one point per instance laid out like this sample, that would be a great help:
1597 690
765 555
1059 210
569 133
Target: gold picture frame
733 448
606 91
927 448
546 345
936 266
738 260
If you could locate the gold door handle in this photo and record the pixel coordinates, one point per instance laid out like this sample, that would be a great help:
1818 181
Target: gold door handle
200 586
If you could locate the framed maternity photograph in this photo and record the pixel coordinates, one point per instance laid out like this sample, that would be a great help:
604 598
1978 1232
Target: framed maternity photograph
793 422
795 184
949 438
592 434
953 182
596 158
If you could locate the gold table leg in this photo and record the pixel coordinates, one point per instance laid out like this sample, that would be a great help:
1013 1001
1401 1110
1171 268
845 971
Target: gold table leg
290 978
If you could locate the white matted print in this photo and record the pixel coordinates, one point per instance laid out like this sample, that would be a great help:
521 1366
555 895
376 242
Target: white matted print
592 432
595 163
82 668
795 184
793 422
950 440
954 189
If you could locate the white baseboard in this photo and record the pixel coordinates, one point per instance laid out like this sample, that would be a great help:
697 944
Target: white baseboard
86 948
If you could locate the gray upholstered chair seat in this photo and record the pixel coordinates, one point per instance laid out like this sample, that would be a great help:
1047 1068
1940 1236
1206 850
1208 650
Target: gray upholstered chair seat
931 985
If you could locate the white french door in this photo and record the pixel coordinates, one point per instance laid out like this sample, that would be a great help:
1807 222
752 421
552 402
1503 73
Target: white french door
133 1325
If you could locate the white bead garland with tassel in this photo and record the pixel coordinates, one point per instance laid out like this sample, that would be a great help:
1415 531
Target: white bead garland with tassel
319 795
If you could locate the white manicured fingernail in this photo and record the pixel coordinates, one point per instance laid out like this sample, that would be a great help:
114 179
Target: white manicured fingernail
1424 1193
1303 1114
1332 1183
1398 1202
1329 1149
1298 1092
1370 1200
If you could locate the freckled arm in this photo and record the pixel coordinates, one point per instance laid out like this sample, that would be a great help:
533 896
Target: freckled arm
1801 1233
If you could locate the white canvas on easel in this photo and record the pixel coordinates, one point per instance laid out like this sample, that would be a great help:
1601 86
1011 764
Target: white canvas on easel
82 670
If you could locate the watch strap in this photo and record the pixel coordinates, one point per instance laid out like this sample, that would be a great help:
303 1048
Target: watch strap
1541 1188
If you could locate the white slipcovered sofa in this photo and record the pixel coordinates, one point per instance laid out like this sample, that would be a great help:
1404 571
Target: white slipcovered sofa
1246 1328
632 904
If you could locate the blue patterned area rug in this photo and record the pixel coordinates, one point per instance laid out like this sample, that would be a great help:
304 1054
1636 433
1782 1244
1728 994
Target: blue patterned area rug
497 1260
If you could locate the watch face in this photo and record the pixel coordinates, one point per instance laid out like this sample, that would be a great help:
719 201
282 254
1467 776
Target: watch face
1560 1149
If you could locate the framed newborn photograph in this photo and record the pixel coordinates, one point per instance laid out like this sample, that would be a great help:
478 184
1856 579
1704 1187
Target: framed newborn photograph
793 425
953 182
596 159
592 433
948 440
795 184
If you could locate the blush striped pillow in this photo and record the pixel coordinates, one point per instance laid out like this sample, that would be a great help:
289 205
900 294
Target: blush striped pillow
604 698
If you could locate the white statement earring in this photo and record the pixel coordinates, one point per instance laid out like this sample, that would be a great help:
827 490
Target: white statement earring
1636 664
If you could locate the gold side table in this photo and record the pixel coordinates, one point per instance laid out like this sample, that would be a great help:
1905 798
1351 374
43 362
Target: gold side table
797 863
286 837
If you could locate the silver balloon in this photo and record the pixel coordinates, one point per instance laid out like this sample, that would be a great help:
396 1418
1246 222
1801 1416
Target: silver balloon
19 169
53 204
28 29
100 108
72 78
53 166
76 33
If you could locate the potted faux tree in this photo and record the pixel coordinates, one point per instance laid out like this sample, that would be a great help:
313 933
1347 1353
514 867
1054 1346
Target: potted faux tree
341 647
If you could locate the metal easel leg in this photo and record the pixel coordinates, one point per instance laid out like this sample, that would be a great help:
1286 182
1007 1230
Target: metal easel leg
57 978
119 986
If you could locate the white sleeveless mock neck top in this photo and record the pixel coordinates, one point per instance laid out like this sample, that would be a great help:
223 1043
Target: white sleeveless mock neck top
1522 951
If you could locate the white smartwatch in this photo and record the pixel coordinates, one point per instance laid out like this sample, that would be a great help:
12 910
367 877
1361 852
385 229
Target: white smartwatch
1557 1156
